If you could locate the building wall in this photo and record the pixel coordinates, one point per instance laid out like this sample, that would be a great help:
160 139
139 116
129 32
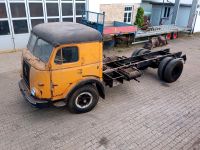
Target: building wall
94 5
155 16
110 12
183 16
114 9
172 1
147 8
112 15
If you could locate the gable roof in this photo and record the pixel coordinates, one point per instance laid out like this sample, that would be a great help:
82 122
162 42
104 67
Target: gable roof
58 33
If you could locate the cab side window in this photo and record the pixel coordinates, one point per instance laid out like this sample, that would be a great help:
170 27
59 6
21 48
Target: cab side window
66 55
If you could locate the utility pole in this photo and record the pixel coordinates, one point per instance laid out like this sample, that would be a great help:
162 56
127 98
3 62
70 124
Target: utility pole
192 13
175 11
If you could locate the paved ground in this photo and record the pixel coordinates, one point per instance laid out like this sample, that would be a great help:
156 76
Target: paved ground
146 115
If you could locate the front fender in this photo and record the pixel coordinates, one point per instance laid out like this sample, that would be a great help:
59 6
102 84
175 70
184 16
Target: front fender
98 83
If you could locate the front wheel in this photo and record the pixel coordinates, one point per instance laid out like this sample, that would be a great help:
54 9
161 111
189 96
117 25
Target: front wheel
83 100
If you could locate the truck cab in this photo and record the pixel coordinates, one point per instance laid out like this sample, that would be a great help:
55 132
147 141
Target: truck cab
63 65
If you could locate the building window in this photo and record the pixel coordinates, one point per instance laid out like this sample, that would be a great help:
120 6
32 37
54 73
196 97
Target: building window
18 10
167 12
67 55
36 9
78 19
68 19
67 9
128 14
3 13
19 20
53 20
52 9
35 22
20 26
80 7
4 28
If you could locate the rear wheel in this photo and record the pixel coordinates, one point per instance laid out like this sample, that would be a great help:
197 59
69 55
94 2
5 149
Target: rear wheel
142 52
83 100
162 66
136 52
173 70
170 69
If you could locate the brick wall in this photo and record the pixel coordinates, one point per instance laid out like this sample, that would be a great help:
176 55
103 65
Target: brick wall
115 12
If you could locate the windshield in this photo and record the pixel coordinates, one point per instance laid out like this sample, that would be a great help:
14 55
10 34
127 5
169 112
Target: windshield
31 42
40 48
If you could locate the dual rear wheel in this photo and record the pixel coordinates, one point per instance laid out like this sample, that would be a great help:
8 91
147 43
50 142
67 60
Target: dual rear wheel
170 69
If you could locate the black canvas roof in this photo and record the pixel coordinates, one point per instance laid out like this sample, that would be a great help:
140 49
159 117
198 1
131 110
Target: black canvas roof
58 33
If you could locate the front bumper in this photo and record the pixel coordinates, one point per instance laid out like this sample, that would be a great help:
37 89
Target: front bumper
32 100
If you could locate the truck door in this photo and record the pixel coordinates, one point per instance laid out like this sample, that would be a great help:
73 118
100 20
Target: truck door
66 69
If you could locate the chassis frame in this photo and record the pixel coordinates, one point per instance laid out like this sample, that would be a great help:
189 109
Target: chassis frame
117 69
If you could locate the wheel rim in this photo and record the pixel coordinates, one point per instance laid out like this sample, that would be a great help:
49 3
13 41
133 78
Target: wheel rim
84 100
175 35
168 36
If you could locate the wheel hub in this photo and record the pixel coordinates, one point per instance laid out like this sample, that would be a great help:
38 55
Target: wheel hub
84 100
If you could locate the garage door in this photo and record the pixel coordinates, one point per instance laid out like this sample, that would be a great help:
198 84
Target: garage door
18 17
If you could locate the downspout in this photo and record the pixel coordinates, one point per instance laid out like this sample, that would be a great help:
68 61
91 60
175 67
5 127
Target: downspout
161 12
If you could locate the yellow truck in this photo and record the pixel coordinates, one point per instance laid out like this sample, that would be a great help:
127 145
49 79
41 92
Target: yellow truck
64 65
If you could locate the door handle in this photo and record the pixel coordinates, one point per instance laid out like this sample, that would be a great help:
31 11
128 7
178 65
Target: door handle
82 60
54 84
80 71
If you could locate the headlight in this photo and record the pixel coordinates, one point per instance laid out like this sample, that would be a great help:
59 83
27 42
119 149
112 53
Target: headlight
33 92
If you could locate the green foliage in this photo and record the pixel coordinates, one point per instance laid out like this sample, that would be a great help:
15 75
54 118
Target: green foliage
139 21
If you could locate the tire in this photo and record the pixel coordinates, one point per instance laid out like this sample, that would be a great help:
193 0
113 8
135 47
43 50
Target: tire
162 66
83 100
135 53
173 70
142 52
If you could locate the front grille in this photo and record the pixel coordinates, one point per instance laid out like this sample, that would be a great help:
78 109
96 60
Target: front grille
26 72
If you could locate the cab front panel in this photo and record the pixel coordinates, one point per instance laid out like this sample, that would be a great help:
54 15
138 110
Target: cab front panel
40 82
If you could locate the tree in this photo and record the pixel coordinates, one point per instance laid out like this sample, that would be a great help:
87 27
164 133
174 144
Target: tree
139 21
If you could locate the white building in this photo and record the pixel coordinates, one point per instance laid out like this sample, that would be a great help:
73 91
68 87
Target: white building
197 21
17 17
164 13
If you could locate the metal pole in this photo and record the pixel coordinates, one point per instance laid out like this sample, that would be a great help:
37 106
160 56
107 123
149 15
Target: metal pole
161 12
175 11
